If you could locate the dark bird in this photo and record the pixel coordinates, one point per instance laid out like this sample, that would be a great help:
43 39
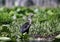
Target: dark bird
25 27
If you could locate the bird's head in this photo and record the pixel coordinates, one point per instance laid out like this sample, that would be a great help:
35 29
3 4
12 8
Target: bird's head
31 15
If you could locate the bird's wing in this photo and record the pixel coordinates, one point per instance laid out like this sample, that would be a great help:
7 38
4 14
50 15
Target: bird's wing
27 27
24 27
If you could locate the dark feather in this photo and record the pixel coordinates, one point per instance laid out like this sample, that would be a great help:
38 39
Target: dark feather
25 27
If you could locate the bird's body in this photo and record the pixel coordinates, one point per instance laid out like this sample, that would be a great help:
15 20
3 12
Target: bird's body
25 27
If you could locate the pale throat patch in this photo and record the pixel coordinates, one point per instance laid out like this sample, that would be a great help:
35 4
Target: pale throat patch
29 20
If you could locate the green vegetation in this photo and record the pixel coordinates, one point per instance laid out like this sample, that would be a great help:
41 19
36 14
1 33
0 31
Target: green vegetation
46 21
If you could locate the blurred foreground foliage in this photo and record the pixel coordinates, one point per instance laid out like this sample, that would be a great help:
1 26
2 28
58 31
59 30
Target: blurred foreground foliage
46 21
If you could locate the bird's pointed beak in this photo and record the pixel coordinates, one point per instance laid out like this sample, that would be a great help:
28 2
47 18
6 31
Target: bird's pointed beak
34 15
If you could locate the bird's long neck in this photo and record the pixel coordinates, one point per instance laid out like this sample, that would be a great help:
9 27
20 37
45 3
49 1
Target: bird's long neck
29 20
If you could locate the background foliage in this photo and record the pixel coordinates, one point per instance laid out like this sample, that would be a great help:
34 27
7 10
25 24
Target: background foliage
46 21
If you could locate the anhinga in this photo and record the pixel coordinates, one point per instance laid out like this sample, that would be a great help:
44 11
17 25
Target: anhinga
25 27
